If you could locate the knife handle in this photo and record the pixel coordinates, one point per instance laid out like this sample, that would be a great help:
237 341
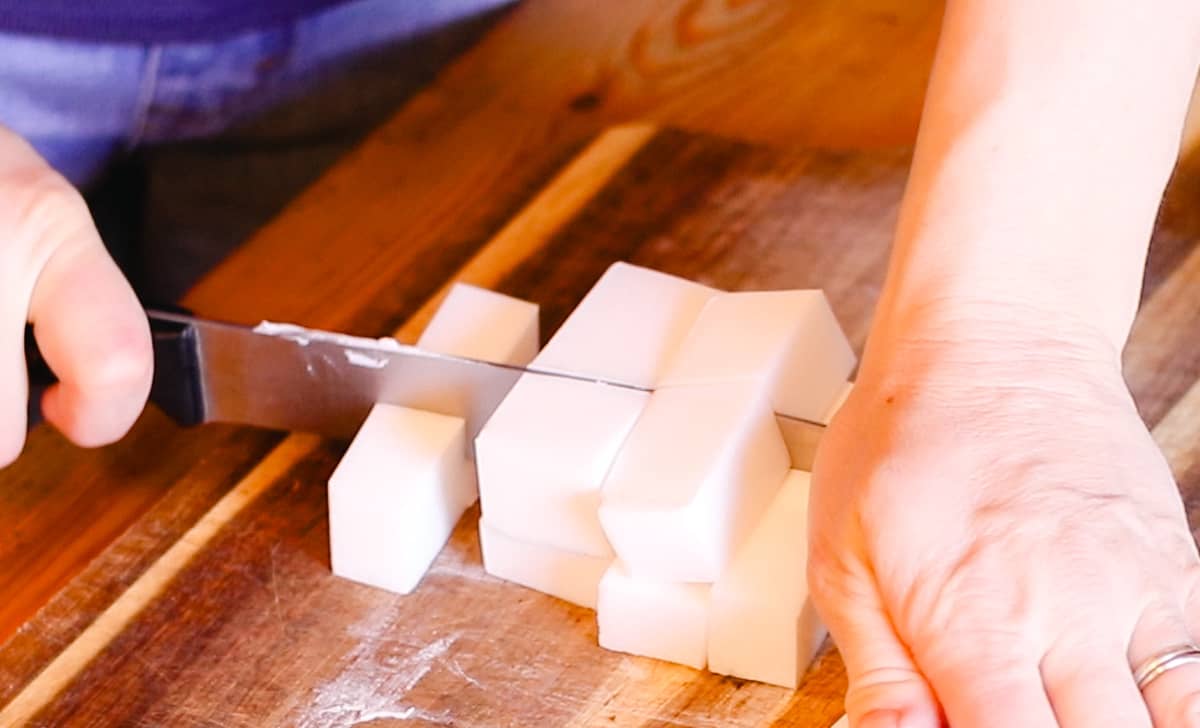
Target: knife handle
40 378
176 388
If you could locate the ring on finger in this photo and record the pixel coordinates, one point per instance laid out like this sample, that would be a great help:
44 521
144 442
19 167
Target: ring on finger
1157 665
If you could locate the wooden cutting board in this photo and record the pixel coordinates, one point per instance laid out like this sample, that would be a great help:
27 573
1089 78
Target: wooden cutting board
217 607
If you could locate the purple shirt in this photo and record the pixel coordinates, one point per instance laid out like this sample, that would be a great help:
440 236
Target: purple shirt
141 21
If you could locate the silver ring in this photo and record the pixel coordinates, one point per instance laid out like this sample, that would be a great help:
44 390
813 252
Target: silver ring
1164 662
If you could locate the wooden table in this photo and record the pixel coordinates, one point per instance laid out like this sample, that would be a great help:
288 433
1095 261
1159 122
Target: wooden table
184 574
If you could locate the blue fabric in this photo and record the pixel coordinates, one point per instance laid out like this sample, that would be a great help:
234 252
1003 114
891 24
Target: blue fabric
148 21
80 103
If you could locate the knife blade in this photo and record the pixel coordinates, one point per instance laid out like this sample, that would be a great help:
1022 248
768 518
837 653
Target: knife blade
283 376
287 377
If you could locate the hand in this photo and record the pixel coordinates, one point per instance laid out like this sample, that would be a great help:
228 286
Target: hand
55 273
996 540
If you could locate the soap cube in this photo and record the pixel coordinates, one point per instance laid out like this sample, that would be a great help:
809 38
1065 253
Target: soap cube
763 625
696 473
802 437
563 574
659 619
480 324
396 495
543 455
789 340
837 403
627 328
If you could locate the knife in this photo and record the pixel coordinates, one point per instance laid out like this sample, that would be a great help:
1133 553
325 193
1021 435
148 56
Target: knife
286 377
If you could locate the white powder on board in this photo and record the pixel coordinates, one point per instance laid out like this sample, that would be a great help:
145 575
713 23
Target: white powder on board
374 681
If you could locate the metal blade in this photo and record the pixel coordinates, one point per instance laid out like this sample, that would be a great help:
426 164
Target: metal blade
287 377
282 376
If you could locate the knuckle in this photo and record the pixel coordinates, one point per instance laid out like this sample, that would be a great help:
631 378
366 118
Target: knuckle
825 576
885 686
45 210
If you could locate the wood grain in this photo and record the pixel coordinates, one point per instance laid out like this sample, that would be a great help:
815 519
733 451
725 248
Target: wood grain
128 606
374 236
250 629
239 622
296 646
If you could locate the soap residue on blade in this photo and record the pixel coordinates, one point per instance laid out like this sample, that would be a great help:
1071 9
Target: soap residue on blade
362 359
304 337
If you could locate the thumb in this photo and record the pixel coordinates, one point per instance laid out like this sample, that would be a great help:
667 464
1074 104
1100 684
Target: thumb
56 274
94 335
885 688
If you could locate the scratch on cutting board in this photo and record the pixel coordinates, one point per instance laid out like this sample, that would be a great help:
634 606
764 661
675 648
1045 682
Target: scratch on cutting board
464 570
371 685
454 667
442 718
275 580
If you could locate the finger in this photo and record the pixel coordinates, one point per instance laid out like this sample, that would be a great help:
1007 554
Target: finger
94 335
885 688
1092 687
13 384
29 193
1173 698
986 680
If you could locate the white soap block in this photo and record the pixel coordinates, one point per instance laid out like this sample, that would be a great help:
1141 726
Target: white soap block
696 473
564 574
627 328
762 625
396 495
802 438
543 455
843 722
790 340
837 403
480 324
664 620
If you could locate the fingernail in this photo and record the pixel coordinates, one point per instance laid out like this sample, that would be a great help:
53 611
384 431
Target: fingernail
880 719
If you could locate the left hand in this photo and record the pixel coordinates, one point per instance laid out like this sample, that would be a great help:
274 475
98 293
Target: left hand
996 540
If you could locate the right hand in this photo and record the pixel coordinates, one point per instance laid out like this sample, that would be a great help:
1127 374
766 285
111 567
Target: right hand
89 326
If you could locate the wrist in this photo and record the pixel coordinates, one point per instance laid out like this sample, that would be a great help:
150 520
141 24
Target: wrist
968 342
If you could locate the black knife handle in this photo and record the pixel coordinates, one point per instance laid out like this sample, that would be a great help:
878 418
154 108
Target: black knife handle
177 387
40 378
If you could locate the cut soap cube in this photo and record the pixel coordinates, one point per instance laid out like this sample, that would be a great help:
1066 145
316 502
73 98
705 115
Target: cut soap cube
696 473
564 574
788 340
837 403
802 437
762 625
627 328
543 455
480 324
664 620
396 495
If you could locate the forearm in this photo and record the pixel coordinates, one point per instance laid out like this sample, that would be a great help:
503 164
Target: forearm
1050 130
